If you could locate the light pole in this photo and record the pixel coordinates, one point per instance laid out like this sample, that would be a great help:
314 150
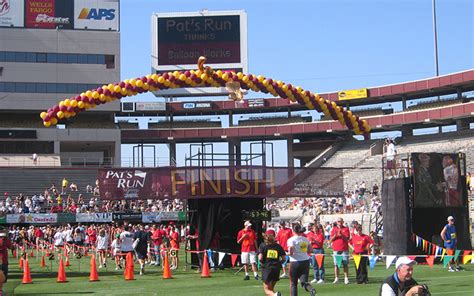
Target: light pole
435 38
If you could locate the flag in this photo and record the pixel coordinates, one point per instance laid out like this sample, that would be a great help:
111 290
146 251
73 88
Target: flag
467 256
221 257
446 260
456 254
233 258
209 256
430 260
372 261
389 260
443 253
356 260
319 260
338 260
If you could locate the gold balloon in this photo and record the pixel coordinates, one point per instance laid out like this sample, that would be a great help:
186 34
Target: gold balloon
54 121
43 115
139 83
95 95
89 94
67 102
118 89
46 123
73 103
61 114
80 105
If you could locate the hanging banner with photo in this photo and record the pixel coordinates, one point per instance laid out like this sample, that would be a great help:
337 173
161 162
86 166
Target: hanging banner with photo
438 180
218 182
49 14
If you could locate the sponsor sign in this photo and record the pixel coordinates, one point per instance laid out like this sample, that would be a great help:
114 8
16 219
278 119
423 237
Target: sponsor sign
256 103
49 14
179 39
151 217
84 217
352 94
96 15
66 218
103 217
127 216
12 13
33 218
210 182
189 105
182 40
150 106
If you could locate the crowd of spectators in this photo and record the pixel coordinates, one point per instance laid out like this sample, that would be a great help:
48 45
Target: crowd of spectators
69 199
359 200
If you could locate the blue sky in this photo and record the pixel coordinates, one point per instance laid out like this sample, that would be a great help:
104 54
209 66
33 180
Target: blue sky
326 45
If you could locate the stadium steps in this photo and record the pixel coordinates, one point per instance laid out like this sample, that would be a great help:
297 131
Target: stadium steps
31 181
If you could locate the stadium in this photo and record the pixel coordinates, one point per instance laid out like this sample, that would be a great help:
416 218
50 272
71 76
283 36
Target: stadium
181 176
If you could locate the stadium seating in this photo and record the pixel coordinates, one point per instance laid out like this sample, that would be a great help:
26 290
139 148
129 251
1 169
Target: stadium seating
127 125
7 160
434 104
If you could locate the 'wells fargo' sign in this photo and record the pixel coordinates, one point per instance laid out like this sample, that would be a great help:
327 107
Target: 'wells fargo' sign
216 182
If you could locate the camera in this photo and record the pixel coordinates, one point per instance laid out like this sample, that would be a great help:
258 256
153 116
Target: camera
425 291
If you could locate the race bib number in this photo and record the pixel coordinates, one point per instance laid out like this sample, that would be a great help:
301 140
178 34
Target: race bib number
173 253
453 235
272 254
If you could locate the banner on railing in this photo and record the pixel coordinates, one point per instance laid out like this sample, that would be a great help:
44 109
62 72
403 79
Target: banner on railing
218 182
32 218
94 217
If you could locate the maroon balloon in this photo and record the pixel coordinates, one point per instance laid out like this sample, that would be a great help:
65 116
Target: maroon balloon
122 84
187 73
107 92
100 90
166 76
55 109
70 109
63 108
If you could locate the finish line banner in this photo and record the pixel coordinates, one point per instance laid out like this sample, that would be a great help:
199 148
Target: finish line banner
218 182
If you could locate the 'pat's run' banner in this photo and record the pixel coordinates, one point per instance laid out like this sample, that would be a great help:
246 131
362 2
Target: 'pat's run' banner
183 183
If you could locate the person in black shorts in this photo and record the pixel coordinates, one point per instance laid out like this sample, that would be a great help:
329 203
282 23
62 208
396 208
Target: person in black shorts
271 256
141 247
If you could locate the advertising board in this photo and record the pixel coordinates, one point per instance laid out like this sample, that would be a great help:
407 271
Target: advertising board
96 15
12 13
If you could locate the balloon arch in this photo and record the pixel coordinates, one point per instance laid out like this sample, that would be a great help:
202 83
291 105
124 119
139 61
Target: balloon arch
202 77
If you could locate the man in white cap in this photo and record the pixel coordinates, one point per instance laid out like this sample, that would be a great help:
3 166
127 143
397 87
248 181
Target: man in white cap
401 282
449 237
248 238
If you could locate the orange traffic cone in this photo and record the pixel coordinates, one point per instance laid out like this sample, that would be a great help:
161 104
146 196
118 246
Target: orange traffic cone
21 262
67 262
166 269
42 264
129 268
26 274
205 267
61 272
93 275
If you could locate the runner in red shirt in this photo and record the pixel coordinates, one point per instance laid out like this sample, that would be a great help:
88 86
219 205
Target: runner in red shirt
339 239
248 238
361 243
5 244
284 234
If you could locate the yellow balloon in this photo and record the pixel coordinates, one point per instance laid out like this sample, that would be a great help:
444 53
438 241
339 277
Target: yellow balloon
182 77
46 123
123 91
102 97
89 94
43 115
80 105
161 79
117 89
67 102
73 103
260 78
61 114
95 95
225 76
61 103
54 121
154 77
139 83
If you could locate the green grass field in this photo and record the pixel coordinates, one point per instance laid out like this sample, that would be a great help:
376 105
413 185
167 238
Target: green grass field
189 282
